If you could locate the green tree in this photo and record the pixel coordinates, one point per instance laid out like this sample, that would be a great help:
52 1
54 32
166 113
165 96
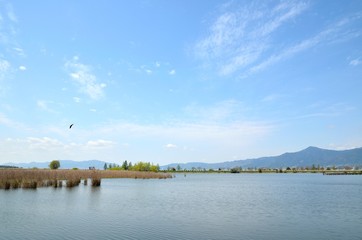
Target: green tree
55 164
105 166
178 167
125 165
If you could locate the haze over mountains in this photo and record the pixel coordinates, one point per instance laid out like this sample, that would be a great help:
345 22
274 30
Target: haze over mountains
64 164
304 158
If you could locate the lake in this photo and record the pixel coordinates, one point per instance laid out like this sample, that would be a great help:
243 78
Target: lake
198 206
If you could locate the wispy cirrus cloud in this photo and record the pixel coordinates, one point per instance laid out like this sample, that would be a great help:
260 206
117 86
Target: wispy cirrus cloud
77 99
238 38
328 35
4 68
83 76
8 22
10 13
5 120
47 106
355 62
10 123
244 39
223 111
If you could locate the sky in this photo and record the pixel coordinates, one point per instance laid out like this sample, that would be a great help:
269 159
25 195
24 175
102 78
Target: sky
178 81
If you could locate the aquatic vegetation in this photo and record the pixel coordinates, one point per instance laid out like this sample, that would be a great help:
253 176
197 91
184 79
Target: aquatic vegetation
34 178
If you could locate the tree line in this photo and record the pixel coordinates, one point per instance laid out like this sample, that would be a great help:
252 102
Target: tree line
139 166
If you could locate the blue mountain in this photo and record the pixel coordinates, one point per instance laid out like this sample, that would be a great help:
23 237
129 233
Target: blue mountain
64 164
304 158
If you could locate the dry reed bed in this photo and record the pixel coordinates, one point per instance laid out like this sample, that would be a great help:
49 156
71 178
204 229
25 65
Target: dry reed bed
33 178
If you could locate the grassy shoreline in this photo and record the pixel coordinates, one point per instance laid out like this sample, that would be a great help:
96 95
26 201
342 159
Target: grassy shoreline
34 178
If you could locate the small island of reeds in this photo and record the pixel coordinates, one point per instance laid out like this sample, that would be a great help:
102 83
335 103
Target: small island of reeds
34 178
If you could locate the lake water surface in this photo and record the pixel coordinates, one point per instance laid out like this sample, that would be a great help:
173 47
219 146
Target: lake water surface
198 206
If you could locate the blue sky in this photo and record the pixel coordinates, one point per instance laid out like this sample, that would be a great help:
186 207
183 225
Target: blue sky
178 81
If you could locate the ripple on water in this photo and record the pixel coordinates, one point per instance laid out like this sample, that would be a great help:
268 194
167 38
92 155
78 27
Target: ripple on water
200 206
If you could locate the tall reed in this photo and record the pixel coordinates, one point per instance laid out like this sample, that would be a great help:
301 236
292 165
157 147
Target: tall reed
33 178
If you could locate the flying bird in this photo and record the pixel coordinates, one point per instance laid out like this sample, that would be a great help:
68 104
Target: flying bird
71 125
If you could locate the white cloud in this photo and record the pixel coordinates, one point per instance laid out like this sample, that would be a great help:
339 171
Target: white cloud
157 64
340 147
233 133
10 123
10 13
44 105
85 79
45 148
280 14
4 68
4 120
172 72
22 68
355 62
19 51
227 110
93 110
100 143
271 98
44 143
242 39
170 145
76 99
239 36
328 35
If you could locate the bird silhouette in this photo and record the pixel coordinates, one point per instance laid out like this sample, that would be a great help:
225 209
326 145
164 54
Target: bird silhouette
71 125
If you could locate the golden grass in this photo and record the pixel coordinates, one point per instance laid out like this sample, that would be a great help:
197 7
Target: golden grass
33 178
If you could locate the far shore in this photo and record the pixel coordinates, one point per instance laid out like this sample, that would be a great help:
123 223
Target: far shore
325 172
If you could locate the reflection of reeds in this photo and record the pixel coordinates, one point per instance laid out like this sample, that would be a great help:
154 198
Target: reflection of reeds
96 182
33 178
73 182
30 184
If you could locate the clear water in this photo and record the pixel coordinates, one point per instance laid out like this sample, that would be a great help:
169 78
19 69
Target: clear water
198 206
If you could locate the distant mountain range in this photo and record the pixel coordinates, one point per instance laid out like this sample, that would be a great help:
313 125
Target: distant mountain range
304 158
64 164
